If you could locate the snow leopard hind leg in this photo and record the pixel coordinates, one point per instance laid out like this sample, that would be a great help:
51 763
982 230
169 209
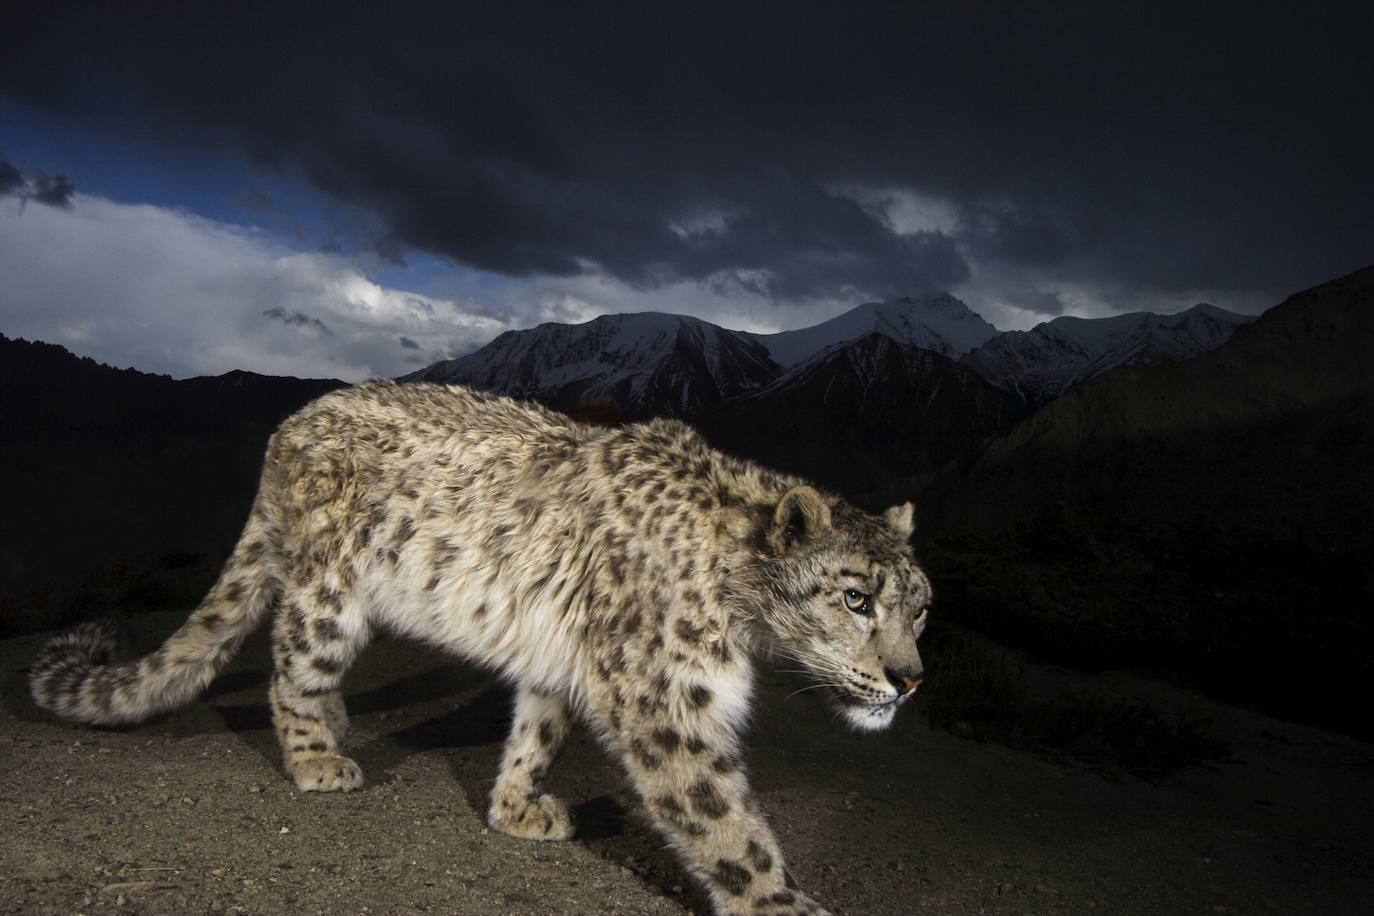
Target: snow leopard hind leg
312 648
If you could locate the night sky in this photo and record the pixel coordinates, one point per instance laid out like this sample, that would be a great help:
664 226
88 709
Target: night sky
301 190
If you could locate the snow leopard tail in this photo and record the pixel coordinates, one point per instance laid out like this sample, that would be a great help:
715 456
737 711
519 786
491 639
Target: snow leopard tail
76 676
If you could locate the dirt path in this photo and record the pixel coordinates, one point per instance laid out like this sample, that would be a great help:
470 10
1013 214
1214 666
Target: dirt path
193 815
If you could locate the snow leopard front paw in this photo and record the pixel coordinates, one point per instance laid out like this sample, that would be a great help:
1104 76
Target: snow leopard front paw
536 816
326 774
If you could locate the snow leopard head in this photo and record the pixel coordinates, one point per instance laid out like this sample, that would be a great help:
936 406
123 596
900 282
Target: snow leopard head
843 595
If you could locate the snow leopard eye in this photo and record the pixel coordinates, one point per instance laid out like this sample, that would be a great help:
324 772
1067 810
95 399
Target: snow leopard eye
857 602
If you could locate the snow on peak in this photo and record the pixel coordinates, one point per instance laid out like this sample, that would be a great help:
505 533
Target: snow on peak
652 363
1052 357
645 362
938 322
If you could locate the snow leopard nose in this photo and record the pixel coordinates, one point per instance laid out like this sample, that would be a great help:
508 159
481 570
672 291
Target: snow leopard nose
904 679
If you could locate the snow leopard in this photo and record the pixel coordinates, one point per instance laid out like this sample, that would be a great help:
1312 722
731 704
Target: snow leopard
626 577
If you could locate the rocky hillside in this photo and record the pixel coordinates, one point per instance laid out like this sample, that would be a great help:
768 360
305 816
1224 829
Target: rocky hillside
1272 431
1213 514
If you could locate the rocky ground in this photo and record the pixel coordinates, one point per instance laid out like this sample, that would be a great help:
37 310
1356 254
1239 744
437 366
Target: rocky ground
192 814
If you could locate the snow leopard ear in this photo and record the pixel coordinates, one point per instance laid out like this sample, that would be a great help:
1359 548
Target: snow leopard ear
901 519
801 516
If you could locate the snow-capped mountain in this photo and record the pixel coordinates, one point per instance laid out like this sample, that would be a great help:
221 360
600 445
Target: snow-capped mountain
864 410
1044 362
940 323
634 365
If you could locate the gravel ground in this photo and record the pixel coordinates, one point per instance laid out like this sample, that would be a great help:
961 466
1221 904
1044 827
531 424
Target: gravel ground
192 814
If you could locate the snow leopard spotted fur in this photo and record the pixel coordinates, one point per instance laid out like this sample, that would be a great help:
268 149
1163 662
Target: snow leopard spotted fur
626 577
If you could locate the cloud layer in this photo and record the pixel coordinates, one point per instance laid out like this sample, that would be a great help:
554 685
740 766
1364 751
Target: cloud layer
1036 161
169 292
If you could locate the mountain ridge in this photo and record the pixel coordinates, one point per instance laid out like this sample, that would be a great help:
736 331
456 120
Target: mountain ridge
633 366
1054 356
643 362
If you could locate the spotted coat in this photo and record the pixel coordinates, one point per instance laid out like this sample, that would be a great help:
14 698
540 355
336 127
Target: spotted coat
626 578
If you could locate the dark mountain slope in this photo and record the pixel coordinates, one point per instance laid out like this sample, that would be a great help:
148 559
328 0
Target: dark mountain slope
863 412
1215 515
100 464
1271 430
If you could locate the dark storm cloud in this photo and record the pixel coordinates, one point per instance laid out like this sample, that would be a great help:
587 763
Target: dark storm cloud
1169 145
1019 238
11 179
296 319
54 191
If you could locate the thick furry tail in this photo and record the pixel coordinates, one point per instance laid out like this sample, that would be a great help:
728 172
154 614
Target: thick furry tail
75 676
